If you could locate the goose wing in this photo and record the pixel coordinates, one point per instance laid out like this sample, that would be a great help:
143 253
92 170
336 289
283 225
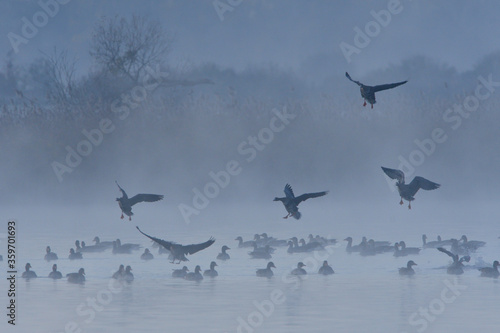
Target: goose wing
453 256
395 174
421 183
289 192
121 190
387 86
349 77
166 244
306 196
193 248
145 198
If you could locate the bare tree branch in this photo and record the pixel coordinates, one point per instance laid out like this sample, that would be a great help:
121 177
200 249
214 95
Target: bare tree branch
126 47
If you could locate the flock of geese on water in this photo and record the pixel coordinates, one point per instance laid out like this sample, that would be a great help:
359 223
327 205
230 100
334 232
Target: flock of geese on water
263 247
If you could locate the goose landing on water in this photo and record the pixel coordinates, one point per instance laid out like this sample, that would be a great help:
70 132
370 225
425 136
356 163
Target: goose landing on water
291 202
408 191
126 203
179 251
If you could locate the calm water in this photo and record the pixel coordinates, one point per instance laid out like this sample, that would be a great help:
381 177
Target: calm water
365 295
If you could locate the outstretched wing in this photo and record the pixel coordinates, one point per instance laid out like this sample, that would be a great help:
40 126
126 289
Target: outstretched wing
306 196
121 190
387 86
421 183
395 174
349 77
162 242
193 248
453 256
289 192
145 198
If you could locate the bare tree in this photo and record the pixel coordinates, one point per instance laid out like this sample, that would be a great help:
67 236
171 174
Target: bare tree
127 47
55 73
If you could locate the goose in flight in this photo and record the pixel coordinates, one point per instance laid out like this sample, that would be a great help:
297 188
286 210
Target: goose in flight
126 203
291 202
179 251
368 92
407 191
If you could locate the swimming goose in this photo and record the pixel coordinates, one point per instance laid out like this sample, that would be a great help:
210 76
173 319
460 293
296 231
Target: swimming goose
105 244
91 248
194 276
351 248
180 251
27 274
434 244
261 252
364 240
126 203
407 191
119 273
382 246
147 255
223 255
266 272
211 272
273 241
74 255
368 92
409 250
408 270
128 276
400 250
76 277
50 255
55 274
299 270
321 240
490 271
126 248
311 246
180 273
326 269
241 243
291 202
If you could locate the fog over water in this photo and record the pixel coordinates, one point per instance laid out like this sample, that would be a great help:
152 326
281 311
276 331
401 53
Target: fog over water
217 105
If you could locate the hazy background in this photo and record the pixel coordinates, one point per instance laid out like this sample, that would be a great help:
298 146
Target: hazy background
225 80
264 55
